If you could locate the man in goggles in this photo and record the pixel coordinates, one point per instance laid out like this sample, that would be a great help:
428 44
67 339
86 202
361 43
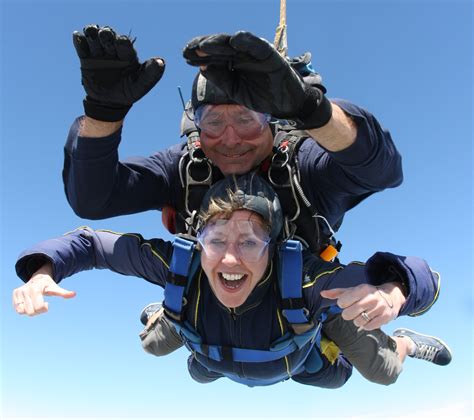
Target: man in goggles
214 120
233 137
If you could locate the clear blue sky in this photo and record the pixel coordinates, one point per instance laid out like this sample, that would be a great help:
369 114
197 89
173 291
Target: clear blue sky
409 62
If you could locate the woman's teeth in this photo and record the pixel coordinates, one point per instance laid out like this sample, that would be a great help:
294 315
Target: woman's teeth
232 280
232 277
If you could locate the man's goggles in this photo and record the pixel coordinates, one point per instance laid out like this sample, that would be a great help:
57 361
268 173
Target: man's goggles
248 239
214 119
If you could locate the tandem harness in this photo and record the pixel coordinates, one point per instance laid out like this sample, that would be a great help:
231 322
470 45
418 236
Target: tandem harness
305 335
302 220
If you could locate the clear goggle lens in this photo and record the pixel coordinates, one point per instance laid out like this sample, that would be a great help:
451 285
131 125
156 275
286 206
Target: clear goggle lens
214 119
248 239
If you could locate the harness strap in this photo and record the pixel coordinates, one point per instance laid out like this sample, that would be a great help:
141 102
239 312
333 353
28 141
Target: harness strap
178 275
291 288
278 350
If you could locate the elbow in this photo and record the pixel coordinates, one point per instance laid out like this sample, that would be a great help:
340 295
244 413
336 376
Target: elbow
85 209
394 174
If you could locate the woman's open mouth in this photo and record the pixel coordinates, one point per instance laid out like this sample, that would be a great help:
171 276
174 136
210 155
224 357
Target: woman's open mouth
232 281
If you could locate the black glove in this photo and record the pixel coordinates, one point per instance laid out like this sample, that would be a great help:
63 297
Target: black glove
112 76
254 74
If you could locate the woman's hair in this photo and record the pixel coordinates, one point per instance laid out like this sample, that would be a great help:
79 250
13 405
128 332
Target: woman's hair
244 192
224 208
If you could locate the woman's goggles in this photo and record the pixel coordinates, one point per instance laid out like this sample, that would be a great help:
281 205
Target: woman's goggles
248 239
214 119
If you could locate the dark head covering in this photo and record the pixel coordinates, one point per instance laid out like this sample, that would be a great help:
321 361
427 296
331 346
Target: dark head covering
254 194
206 92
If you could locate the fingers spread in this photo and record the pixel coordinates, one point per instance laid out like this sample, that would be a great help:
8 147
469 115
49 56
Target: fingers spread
80 44
151 71
107 39
125 49
211 49
249 43
217 44
91 33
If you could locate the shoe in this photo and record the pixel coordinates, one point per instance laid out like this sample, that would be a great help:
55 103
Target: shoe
428 347
149 310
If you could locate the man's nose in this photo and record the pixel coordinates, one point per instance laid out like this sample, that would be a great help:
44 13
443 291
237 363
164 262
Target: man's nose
230 138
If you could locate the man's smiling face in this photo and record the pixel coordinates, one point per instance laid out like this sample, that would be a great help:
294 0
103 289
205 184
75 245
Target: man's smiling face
231 152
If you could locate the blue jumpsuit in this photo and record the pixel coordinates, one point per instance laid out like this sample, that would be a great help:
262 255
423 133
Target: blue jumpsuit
257 324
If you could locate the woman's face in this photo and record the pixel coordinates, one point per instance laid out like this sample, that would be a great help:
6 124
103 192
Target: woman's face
234 256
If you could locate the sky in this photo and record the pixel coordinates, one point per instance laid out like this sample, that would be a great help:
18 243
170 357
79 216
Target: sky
408 62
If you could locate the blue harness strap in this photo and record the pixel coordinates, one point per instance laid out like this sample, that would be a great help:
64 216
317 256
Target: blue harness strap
278 350
183 250
290 281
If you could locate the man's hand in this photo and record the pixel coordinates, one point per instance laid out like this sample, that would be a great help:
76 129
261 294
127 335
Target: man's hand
252 72
29 298
112 76
369 307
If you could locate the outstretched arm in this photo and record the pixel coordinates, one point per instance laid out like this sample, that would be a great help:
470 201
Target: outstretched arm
85 249
29 298
369 307
373 293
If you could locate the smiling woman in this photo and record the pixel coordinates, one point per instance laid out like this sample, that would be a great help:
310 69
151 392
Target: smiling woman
244 302
235 256
240 221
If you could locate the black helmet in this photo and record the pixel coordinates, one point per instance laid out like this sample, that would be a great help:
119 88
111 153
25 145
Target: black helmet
206 92
254 193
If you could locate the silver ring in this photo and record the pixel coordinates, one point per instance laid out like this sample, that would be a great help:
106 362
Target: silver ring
365 317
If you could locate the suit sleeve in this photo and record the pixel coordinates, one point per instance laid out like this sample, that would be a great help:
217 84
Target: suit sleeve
345 178
421 283
85 249
98 185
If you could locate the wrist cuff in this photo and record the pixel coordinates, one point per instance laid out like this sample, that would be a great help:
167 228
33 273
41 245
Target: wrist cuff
320 111
102 112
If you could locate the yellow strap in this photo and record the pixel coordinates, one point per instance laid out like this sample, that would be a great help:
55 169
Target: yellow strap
329 349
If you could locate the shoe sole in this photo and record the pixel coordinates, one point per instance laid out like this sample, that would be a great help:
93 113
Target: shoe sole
399 330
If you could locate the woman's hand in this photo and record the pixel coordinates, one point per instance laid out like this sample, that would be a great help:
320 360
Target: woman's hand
29 298
369 307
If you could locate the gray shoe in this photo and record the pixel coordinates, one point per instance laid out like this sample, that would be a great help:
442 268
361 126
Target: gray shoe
428 348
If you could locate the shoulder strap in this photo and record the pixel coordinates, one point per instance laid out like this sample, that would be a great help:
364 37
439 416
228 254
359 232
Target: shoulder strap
196 175
179 276
302 219
290 279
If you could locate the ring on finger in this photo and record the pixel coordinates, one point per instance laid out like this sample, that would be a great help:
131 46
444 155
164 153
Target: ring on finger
365 316
19 303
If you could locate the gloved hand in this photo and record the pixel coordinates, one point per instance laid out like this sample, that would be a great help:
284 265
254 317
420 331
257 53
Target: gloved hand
112 76
254 74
